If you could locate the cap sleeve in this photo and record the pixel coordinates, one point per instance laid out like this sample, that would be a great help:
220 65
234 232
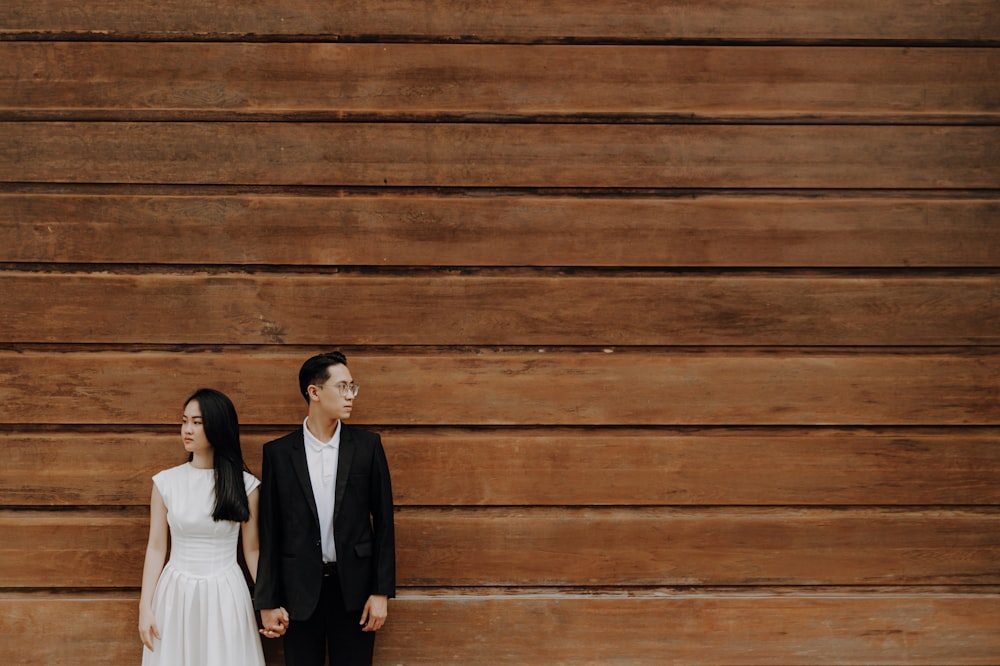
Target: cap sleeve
250 482
160 482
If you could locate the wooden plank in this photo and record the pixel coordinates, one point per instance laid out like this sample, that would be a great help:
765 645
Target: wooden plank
553 627
561 467
491 155
510 20
77 628
562 546
533 309
768 467
79 80
634 547
97 548
91 627
420 230
651 629
70 468
714 386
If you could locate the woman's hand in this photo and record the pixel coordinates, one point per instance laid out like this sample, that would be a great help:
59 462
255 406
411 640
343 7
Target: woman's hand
275 621
147 628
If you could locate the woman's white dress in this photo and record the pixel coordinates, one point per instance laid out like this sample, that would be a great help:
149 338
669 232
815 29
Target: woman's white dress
201 604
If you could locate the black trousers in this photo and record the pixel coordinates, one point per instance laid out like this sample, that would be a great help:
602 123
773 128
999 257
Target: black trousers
331 628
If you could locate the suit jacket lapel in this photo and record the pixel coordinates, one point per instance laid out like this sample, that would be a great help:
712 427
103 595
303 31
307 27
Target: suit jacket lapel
301 467
343 468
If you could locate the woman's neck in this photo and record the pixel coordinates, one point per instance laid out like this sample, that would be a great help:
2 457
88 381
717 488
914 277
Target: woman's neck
203 461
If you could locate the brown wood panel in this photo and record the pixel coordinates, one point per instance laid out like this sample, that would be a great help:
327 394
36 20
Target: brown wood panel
441 309
511 20
491 155
820 444
561 467
542 387
693 629
78 80
579 547
94 548
711 467
75 628
926 626
79 628
419 230
575 547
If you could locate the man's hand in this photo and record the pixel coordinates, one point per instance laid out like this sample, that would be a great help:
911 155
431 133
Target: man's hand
275 621
375 612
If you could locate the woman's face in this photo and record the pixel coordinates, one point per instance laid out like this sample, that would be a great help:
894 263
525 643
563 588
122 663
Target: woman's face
193 430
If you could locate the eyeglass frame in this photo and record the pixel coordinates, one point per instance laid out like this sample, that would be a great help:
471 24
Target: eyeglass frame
344 389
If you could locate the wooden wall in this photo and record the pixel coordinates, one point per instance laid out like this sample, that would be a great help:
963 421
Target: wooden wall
680 320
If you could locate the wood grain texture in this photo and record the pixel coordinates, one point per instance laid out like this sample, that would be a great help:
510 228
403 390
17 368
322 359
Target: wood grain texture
669 629
574 547
643 547
561 467
501 310
98 548
79 80
491 155
952 387
697 229
677 319
511 20
926 626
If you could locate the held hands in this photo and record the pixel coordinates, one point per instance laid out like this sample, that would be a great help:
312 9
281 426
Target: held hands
375 612
147 628
275 621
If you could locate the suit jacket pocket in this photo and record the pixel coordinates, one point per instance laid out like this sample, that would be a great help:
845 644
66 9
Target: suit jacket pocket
363 549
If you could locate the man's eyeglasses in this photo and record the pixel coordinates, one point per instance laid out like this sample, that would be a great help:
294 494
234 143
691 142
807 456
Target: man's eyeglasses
345 390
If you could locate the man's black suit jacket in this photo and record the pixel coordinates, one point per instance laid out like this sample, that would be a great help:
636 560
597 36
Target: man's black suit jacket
290 569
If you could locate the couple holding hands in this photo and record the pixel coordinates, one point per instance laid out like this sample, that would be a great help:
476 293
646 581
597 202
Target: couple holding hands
317 532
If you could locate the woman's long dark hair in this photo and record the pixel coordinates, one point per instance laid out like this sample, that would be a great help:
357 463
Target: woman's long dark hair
222 428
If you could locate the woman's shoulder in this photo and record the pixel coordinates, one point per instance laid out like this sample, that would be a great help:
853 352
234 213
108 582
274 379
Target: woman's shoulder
171 472
250 482
169 479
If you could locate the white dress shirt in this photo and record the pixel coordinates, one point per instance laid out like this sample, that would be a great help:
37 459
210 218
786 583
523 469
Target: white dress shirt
321 458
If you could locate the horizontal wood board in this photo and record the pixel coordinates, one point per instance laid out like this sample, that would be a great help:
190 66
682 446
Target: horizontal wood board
714 386
529 310
576 547
78 80
511 20
559 466
927 626
694 229
501 155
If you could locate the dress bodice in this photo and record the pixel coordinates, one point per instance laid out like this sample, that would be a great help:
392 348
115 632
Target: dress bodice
199 545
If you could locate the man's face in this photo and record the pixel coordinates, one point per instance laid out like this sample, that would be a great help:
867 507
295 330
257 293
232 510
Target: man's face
330 397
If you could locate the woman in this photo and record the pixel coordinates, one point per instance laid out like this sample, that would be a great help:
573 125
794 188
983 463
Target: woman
196 610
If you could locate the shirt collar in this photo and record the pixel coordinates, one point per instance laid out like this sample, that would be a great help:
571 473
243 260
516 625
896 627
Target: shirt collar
317 445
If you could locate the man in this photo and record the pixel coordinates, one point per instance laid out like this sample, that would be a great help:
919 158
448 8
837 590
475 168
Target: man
327 542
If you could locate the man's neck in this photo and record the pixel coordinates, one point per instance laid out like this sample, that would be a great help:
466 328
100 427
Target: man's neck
321 428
